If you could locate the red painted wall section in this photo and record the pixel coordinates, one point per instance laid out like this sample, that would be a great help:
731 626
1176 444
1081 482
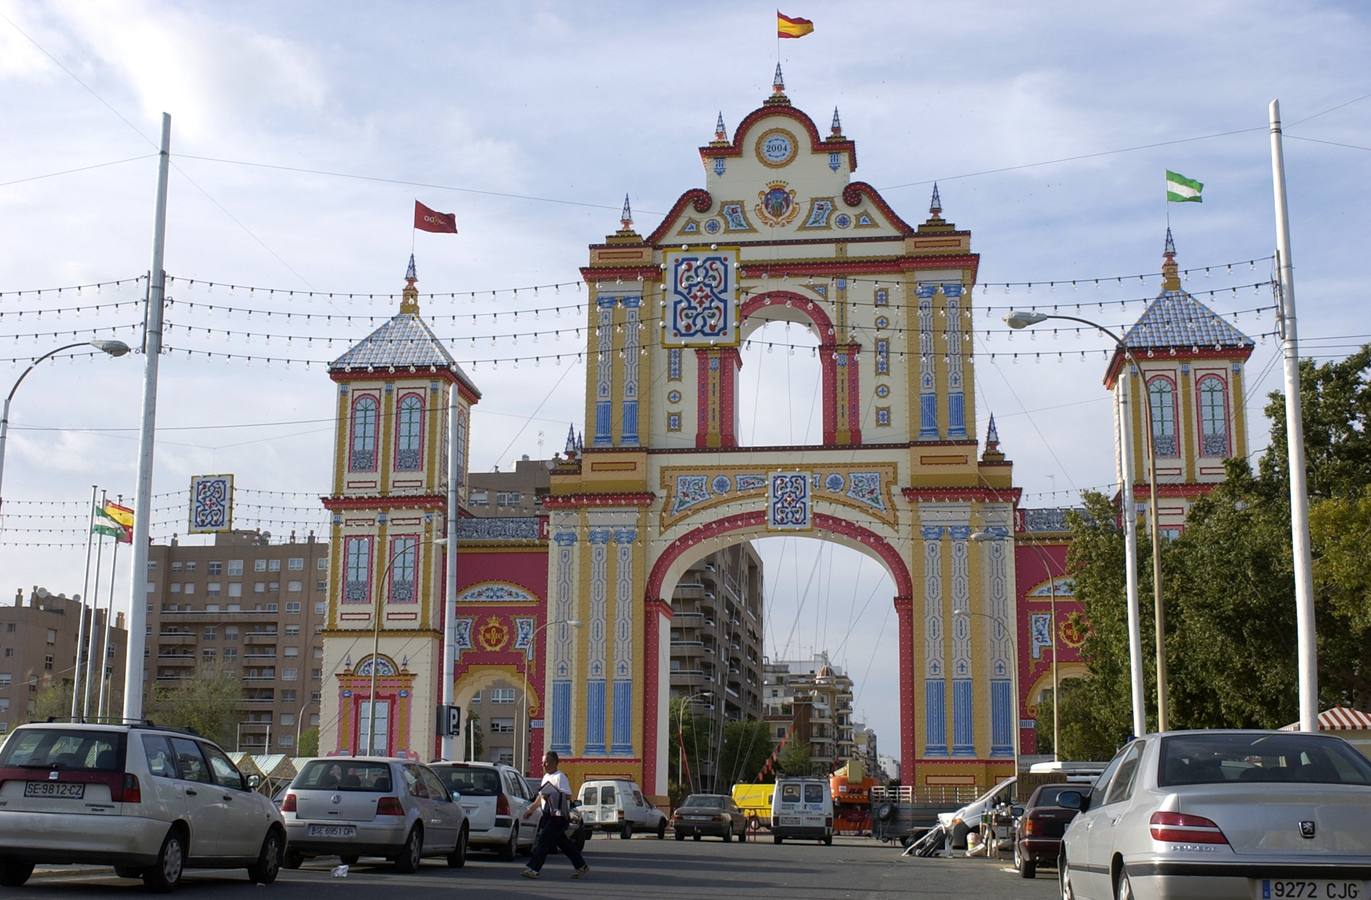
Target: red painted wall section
1034 564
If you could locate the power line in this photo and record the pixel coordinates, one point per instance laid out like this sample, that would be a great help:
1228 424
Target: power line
113 162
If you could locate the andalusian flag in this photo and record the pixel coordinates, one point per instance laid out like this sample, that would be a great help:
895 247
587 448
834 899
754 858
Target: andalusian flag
114 521
1180 189
791 27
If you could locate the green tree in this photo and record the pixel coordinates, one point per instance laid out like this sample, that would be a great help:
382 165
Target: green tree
747 745
53 700
688 743
794 759
209 702
309 742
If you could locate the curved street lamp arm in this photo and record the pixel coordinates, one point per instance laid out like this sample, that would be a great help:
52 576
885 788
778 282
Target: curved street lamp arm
32 365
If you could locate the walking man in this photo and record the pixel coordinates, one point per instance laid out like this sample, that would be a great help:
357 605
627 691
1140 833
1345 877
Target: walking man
554 798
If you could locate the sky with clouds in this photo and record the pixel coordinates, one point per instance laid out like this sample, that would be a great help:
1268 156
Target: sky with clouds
531 121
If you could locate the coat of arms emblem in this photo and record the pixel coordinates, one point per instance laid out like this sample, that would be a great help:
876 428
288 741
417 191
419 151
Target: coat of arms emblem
776 205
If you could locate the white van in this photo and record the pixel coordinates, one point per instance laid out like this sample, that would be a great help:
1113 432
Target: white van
802 808
619 805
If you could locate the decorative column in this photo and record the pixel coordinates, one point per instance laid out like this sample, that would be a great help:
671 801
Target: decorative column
963 707
935 691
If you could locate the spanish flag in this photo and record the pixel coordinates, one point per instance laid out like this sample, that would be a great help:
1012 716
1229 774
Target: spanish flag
112 515
791 27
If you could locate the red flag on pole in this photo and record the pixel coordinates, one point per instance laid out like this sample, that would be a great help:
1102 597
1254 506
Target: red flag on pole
426 219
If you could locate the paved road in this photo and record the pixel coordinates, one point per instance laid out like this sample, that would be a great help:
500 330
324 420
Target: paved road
643 867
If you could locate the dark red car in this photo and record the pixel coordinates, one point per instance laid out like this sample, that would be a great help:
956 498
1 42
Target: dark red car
1038 833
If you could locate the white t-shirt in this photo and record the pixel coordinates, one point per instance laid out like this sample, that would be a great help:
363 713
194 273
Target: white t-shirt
555 805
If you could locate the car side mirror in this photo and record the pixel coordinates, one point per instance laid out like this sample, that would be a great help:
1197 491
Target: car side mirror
575 804
1016 811
254 782
456 795
1072 800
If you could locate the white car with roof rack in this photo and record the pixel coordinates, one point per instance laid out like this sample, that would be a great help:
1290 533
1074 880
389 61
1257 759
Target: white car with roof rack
494 797
148 800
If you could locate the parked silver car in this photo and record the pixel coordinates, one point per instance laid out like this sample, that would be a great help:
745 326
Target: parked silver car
149 801
352 807
1219 814
494 798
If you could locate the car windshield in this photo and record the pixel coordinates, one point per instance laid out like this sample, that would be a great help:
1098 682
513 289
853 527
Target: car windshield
470 782
713 801
65 749
1259 757
1048 793
814 793
343 775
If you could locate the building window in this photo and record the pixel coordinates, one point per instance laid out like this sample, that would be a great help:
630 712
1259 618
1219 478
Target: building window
207 653
357 570
293 608
215 568
290 674
409 433
235 568
189 588
296 564
362 457
6 678
235 588
210 632
316 674
287 718
260 587
230 653
190 565
321 584
476 697
321 564
314 717
176 565
291 651
502 695
1213 417
478 498
47 663
213 588
404 568
1161 393
273 565
230 632
258 565
292 630
174 587
503 725
508 498
321 607
295 586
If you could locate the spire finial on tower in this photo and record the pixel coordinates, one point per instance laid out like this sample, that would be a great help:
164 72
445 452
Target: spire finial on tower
720 132
992 435
837 127
1171 277
778 83
626 217
571 439
935 204
409 297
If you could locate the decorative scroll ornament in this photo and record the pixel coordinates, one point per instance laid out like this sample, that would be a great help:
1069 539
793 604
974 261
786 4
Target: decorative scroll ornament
702 305
211 504
788 501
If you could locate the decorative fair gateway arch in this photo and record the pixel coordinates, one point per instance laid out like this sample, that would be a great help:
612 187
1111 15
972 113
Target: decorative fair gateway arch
661 477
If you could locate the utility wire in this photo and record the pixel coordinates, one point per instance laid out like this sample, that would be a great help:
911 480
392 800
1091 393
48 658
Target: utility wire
113 162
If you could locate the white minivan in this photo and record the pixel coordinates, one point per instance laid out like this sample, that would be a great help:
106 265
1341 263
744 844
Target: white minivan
616 805
802 808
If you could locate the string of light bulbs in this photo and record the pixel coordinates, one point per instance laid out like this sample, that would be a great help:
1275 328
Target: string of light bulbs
78 288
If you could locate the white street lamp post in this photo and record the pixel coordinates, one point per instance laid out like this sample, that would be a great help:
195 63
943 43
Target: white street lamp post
1025 319
523 697
113 348
376 631
680 727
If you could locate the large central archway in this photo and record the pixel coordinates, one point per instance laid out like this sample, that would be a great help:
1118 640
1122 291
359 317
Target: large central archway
780 234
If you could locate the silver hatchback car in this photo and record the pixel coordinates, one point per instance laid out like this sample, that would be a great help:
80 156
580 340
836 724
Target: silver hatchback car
352 807
1248 815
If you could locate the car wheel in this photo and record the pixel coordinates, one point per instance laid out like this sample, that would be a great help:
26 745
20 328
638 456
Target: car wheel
349 859
661 830
458 857
411 853
508 850
1027 867
165 874
680 835
776 838
1123 888
268 864
14 872
728 835
1064 879
627 831
294 859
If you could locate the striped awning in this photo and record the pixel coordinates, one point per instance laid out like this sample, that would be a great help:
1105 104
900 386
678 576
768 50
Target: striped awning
1339 718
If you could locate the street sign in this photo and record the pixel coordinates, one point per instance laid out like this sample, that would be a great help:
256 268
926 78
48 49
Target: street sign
449 721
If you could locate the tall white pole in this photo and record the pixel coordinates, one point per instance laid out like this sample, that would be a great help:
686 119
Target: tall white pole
452 745
87 607
142 502
1305 640
1130 532
105 670
94 629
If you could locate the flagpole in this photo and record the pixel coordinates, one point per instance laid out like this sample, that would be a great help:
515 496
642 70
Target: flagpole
1305 638
106 671
94 630
142 502
85 604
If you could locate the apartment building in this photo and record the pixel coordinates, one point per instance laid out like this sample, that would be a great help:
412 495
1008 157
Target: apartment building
38 650
499 708
516 493
716 643
254 606
810 701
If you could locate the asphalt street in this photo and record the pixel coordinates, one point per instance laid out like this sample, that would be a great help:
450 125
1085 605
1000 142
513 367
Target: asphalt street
643 867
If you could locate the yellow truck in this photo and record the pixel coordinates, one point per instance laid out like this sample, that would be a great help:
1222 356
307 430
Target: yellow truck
755 802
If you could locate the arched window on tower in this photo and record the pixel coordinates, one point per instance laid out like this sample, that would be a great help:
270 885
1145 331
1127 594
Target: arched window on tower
1161 394
404 567
357 570
1213 417
409 433
362 457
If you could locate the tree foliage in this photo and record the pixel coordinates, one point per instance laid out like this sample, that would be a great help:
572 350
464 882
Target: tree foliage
795 759
209 702
747 745
309 742
1229 585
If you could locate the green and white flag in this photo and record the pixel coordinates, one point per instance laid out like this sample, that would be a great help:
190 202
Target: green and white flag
1180 189
106 525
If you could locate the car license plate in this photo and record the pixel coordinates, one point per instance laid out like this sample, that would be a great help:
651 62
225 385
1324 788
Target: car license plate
1313 888
332 830
54 789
